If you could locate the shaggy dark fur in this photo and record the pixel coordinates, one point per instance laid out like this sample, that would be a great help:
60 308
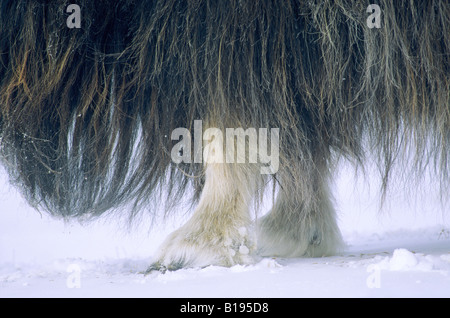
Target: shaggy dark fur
86 114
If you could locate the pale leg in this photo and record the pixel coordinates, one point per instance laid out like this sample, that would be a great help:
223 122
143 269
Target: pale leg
219 232
301 223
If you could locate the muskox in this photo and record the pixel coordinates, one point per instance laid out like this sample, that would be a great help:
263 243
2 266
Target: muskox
101 104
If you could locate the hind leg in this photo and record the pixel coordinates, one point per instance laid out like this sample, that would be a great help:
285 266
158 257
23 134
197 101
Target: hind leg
219 231
302 221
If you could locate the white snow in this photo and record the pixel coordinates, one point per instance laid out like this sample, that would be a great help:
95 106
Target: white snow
401 251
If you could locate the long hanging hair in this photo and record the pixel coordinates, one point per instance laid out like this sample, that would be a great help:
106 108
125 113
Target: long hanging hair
86 114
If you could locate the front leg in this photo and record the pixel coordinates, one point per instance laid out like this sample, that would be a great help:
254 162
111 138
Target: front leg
220 231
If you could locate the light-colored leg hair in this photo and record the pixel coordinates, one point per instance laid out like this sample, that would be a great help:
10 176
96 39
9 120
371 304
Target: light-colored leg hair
302 222
220 230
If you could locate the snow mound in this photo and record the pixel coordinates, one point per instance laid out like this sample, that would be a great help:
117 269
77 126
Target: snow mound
405 260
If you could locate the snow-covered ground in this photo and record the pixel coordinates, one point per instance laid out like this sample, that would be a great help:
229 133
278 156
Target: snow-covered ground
401 251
